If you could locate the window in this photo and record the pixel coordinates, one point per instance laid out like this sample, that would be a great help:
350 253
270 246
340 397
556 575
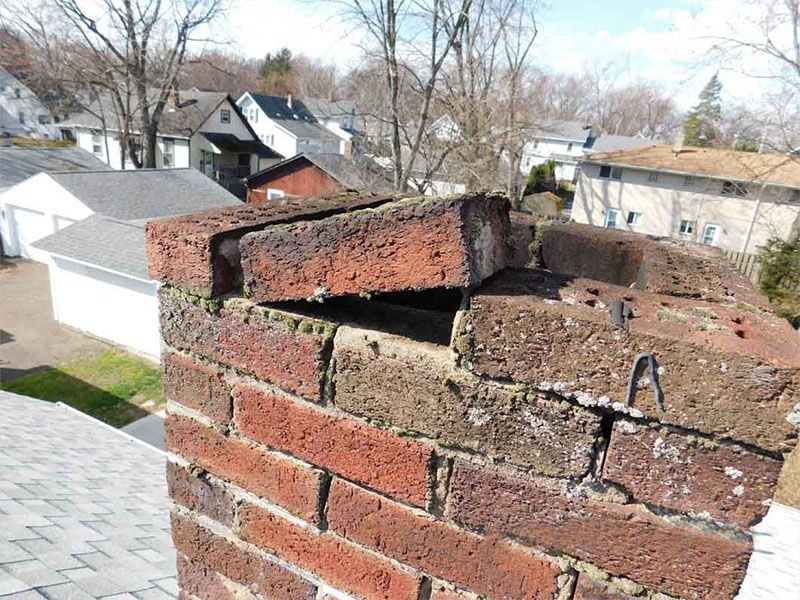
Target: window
612 217
252 115
794 196
609 172
710 232
21 117
97 143
224 116
634 218
44 120
535 144
169 152
274 194
687 227
569 147
734 188
652 176
16 92
688 181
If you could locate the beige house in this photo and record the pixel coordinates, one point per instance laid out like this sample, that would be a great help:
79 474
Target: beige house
726 198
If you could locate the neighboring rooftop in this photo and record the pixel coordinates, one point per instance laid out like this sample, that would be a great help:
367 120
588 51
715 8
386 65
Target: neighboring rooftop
778 169
17 163
85 508
608 142
277 107
145 193
357 173
107 243
574 131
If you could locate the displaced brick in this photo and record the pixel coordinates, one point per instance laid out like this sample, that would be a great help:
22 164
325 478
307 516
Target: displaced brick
337 561
410 244
282 348
625 540
373 456
689 474
416 386
723 371
590 589
200 252
200 494
656 265
218 554
788 491
282 480
197 386
488 566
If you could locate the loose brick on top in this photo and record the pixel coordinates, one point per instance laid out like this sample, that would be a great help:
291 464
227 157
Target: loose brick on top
281 480
198 386
200 252
376 457
210 551
487 566
286 349
624 540
687 474
416 386
337 561
410 244
727 372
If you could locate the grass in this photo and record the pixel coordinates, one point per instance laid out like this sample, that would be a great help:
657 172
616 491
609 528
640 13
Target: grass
112 386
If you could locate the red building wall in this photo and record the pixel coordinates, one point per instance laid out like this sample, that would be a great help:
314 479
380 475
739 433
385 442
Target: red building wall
300 178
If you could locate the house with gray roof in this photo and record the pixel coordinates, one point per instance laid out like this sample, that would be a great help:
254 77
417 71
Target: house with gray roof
85 511
22 113
17 163
199 129
288 125
88 227
566 143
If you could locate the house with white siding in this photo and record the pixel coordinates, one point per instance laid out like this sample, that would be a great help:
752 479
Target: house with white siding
734 200
22 113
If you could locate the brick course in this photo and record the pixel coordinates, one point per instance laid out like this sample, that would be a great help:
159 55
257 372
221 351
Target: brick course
197 386
411 244
358 451
200 494
487 566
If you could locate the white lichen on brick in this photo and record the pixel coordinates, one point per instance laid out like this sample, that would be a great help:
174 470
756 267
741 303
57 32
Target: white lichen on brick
723 366
627 427
794 415
663 450
540 426
733 472
478 416
738 490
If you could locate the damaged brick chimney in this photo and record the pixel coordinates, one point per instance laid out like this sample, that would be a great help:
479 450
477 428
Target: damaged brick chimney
367 400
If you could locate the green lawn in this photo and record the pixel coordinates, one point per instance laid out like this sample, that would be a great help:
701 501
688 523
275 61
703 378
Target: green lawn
113 386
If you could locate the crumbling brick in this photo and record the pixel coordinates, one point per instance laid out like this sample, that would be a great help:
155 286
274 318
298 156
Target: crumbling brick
416 386
411 244
690 474
197 386
488 566
284 481
200 252
339 562
587 588
725 372
677 559
201 582
788 490
376 457
200 494
282 348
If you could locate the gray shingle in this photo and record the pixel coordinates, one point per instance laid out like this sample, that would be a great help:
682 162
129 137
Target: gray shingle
563 130
145 193
17 163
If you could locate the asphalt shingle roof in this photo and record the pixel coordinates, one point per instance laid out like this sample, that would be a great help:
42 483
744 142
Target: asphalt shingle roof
563 130
145 194
608 142
85 512
107 243
17 163
277 107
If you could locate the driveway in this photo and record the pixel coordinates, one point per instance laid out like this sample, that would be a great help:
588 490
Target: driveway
30 340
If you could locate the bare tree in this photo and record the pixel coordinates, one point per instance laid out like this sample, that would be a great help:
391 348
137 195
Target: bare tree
221 71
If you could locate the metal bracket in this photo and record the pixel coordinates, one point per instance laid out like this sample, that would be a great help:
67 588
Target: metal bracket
643 360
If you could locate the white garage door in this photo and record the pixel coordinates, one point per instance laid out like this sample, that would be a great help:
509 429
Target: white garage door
25 226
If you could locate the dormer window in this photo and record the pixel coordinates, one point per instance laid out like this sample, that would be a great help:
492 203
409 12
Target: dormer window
569 147
224 116
734 188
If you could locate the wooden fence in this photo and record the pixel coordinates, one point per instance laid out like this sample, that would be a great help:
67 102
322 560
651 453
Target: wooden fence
747 264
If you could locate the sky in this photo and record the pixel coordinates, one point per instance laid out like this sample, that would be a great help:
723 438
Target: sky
662 40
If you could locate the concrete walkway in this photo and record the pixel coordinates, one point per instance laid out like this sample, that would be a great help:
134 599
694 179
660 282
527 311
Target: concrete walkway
30 340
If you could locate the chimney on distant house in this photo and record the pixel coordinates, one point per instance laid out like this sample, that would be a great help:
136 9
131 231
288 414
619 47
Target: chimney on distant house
172 100
289 99
677 145
587 122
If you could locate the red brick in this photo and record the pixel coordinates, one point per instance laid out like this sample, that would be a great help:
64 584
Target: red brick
665 468
200 253
214 553
279 479
487 566
591 589
337 561
375 373
411 244
282 348
197 386
373 456
726 372
204 583
200 494
625 540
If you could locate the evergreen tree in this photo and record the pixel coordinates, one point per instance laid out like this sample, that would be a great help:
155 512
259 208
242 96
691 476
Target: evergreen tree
700 128
276 72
